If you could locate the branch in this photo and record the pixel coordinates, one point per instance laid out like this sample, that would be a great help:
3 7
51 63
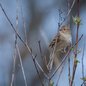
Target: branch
60 74
38 71
21 65
68 12
24 24
83 60
13 71
83 64
75 63
69 74
25 44
17 48
40 49
15 52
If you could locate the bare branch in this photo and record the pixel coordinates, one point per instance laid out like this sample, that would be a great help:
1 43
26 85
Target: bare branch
83 64
77 32
69 75
28 48
37 71
68 12
15 52
17 48
13 71
60 74
21 65
24 23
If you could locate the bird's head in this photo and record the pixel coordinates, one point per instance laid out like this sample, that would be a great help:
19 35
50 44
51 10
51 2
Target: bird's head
65 33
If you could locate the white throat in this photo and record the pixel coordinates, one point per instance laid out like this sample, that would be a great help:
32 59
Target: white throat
66 37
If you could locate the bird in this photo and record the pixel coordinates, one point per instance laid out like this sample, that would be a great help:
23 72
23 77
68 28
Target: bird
59 46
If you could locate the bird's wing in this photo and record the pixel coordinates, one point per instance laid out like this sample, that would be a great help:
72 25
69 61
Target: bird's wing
52 50
54 41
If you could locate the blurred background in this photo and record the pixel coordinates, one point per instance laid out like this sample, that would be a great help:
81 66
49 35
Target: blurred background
41 19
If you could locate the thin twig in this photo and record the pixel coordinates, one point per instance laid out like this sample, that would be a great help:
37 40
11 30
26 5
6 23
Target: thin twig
21 65
69 76
40 49
41 69
12 25
17 48
83 60
74 67
43 58
13 71
60 64
84 83
38 71
75 64
83 64
14 57
50 63
60 74
24 23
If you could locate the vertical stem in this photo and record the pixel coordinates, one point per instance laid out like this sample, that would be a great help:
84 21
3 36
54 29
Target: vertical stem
14 61
75 64
60 74
22 68
69 70
68 55
83 64
83 60
24 23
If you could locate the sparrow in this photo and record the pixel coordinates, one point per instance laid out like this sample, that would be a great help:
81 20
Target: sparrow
59 46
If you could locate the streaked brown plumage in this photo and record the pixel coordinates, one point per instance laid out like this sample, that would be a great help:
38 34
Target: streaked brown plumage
59 46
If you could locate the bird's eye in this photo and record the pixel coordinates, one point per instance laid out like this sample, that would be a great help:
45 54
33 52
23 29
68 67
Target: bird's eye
64 28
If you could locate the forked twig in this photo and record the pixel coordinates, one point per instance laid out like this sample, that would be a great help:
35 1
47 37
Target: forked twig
28 48
38 71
